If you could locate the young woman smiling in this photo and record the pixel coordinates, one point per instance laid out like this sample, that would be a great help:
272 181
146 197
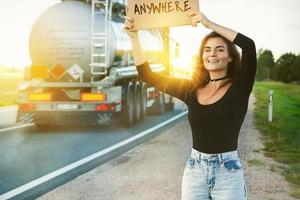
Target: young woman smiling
217 100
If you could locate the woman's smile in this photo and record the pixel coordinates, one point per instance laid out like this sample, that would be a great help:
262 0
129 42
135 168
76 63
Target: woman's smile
213 60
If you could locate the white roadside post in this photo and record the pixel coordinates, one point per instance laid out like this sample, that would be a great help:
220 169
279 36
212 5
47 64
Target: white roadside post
270 107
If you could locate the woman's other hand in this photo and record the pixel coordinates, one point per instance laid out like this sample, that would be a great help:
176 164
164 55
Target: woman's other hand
199 18
129 26
137 51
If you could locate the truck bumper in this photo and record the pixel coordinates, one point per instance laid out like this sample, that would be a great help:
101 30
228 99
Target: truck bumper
67 113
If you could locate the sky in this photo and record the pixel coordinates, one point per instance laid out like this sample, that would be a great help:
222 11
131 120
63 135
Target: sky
16 20
272 24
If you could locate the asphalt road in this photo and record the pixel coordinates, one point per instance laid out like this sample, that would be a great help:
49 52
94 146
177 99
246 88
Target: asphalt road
28 153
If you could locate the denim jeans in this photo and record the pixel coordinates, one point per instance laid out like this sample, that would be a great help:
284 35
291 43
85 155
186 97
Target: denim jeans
213 176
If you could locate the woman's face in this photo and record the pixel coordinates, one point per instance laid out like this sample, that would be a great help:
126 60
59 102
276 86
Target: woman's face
215 54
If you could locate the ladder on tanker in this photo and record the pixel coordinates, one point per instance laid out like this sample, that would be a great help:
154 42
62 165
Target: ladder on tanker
99 44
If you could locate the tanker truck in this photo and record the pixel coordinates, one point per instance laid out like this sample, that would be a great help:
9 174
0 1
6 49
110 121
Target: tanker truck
83 71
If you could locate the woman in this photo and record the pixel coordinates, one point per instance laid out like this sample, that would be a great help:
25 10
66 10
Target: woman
217 100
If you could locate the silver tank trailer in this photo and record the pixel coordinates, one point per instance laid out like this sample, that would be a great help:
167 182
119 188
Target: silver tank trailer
62 35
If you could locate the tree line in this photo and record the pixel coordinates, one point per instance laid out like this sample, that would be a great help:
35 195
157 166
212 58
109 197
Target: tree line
286 68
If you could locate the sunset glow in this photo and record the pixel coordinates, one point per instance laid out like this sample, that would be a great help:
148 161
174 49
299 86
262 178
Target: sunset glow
16 19
276 29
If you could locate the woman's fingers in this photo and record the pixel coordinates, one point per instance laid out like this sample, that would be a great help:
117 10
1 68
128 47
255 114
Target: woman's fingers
128 19
128 25
192 14
196 20
199 18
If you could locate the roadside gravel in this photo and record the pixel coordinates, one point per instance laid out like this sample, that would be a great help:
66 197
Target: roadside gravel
264 178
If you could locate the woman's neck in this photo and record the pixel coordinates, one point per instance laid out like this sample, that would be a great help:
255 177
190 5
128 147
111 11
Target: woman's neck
218 78
217 74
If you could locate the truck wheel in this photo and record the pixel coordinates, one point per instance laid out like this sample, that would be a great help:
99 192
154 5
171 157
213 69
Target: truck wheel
143 100
161 103
129 105
137 102
169 106
158 107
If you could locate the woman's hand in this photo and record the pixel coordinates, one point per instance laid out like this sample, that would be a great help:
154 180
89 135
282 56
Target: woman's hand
129 26
199 17
137 51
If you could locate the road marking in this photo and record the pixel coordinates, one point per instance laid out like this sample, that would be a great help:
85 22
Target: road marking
16 127
83 161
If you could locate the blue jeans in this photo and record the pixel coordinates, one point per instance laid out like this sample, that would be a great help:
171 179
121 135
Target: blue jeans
213 176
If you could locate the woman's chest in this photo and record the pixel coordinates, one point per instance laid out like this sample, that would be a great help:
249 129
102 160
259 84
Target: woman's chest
210 95
229 107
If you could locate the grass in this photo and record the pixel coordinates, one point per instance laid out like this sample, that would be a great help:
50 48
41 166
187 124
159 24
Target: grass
295 193
282 136
256 150
8 88
255 162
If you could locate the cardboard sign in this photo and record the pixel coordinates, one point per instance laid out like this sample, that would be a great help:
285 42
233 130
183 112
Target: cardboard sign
161 13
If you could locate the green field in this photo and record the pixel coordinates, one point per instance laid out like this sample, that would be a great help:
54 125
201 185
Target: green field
8 88
282 136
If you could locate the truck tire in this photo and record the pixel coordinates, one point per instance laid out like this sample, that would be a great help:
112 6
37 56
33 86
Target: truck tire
137 102
161 103
143 100
129 112
169 104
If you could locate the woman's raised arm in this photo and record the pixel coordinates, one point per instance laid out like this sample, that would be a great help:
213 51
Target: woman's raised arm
173 86
228 33
248 62
137 52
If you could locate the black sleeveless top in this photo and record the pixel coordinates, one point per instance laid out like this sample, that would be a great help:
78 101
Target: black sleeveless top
215 127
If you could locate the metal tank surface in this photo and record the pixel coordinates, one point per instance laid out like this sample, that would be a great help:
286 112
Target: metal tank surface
62 35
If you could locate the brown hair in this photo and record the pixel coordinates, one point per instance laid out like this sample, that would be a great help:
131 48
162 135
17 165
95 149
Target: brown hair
200 74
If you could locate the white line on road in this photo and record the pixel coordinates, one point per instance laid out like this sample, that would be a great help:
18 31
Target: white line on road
83 161
16 127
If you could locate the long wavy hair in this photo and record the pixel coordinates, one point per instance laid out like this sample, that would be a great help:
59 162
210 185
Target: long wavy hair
200 75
